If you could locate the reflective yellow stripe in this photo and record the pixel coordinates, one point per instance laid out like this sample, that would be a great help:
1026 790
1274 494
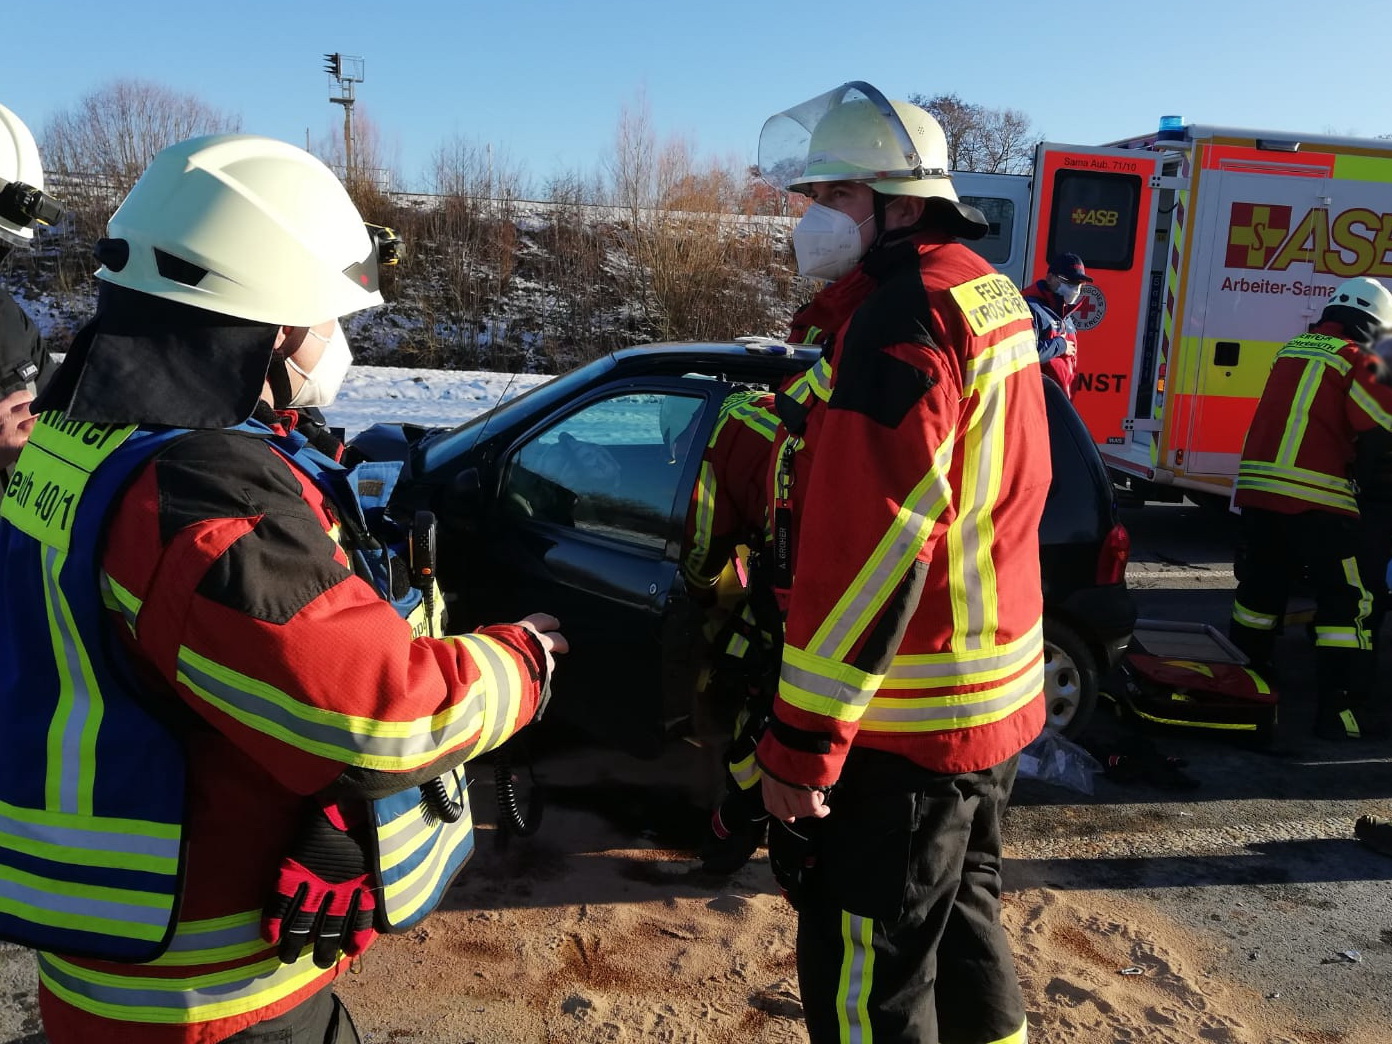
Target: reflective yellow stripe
181 1000
1020 1036
1226 726
746 772
1364 401
834 689
1296 491
1365 602
394 746
825 686
1339 638
1253 619
1336 362
971 535
214 940
409 835
952 670
814 381
887 565
695 566
116 597
942 712
71 743
857 975
999 361
1298 419
1329 483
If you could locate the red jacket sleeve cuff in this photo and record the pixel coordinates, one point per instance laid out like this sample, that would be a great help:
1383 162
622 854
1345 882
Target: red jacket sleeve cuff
526 646
799 768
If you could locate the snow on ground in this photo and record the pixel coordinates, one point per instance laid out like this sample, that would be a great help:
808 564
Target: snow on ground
374 394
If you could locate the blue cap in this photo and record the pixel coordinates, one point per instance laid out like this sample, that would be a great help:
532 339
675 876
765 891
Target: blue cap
1069 267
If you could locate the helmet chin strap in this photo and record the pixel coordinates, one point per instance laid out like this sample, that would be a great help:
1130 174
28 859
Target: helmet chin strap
278 376
881 204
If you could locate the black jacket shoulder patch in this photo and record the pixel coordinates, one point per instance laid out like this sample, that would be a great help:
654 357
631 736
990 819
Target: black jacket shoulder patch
869 380
286 561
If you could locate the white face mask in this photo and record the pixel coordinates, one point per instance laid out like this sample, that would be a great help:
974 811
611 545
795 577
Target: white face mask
1070 292
325 377
827 242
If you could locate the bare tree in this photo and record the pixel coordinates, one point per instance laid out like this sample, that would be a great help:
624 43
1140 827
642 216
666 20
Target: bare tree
997 141
460 167
633 167
114 132
370 162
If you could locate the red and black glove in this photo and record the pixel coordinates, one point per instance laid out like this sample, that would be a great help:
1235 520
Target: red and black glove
323 894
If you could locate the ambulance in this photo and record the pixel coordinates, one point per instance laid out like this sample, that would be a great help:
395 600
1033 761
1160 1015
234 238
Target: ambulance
1211 247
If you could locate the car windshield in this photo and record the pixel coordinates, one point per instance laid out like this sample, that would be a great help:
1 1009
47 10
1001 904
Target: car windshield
448 444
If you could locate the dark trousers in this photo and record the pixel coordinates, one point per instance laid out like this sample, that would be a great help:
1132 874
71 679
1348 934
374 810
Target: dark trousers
1326 547
322 1019
1374 552
899 933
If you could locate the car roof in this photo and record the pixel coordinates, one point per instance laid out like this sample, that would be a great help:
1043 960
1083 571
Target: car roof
780 355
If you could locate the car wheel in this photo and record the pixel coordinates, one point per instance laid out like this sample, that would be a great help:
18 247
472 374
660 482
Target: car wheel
1070 679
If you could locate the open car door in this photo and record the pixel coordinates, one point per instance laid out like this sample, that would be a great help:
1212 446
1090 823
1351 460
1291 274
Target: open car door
587 524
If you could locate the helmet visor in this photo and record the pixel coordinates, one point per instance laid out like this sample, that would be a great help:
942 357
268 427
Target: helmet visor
861 139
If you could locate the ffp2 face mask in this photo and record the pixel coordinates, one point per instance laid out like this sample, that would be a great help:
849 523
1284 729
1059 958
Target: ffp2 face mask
325 377
827 243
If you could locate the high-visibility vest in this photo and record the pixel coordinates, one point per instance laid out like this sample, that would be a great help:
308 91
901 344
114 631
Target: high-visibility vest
91 777
417 854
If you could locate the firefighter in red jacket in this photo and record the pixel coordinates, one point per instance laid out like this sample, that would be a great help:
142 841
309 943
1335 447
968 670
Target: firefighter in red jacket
729 509
1298 502
240 634
905 514
1052 302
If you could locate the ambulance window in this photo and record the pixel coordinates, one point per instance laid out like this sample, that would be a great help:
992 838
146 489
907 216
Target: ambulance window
1000 215
1094 216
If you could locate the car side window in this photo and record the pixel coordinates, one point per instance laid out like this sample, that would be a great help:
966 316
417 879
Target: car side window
610 469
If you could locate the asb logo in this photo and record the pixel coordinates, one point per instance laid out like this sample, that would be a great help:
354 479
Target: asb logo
1092 306
1339 243
1255 231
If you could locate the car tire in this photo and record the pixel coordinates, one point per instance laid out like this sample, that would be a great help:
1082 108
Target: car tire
1070 679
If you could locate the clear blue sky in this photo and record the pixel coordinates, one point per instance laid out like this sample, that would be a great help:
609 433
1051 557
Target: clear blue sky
544 81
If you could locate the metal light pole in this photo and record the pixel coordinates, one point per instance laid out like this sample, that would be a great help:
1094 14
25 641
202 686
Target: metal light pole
346 70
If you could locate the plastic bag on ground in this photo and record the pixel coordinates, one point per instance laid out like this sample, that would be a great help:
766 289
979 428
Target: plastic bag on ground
1053 758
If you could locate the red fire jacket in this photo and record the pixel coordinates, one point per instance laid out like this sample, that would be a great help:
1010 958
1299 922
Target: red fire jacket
914 613
227 550
1322 391
729 503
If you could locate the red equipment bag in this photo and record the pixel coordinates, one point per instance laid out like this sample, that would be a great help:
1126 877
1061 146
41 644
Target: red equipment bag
1224 697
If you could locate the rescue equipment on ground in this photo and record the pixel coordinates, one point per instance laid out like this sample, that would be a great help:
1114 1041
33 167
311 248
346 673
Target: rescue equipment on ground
1188 675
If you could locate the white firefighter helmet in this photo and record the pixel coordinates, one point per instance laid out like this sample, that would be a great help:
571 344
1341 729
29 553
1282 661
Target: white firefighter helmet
1368 296
244 226
20 169
854 133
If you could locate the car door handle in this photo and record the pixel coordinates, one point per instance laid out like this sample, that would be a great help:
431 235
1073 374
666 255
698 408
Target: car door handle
1225 353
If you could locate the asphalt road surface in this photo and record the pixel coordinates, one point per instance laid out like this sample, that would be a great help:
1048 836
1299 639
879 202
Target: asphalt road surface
1261 852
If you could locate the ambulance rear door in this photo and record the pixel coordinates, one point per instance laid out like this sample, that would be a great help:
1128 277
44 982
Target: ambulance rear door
1099 203
1282 229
